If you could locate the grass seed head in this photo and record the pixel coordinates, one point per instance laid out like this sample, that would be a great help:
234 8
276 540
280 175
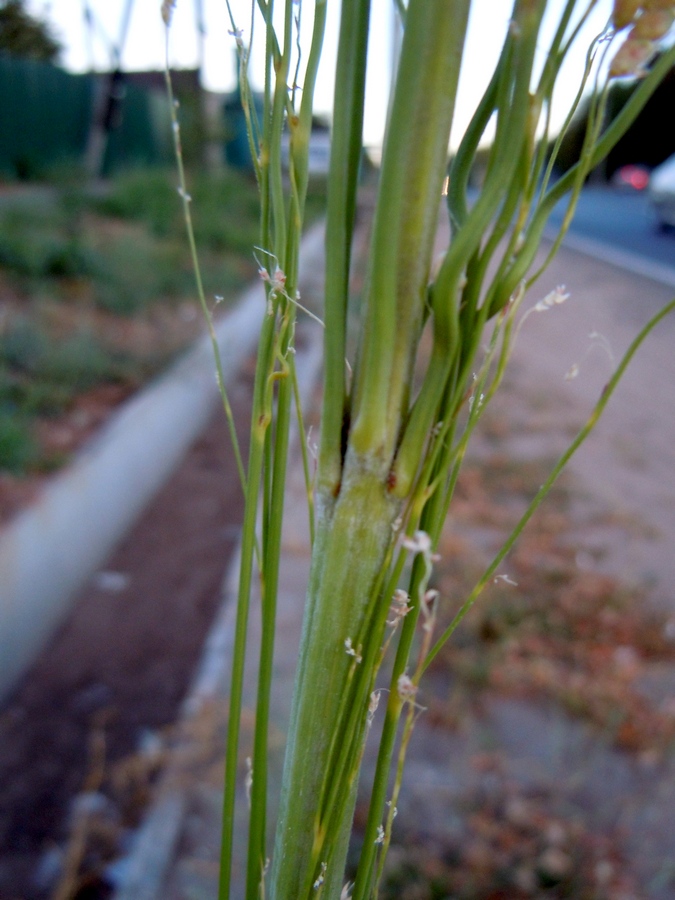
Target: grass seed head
168 7
631 58
624 13
405 688
652 24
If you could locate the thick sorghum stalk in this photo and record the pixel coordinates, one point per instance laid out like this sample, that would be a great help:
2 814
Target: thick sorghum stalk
350 548
356 515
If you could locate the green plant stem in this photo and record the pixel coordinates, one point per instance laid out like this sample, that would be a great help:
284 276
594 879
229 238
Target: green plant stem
443 467
301 125
206 312
607 140
272 550
358 526
381 461
260 422
406 215
238 661
341 207
365 871
359 530
511 94
304 450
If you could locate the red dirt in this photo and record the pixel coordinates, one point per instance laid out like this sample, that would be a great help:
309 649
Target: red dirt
60 437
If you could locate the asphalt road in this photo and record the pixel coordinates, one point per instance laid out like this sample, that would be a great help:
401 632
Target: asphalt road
623 220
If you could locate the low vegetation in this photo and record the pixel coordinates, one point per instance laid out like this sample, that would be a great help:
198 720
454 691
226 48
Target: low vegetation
97 295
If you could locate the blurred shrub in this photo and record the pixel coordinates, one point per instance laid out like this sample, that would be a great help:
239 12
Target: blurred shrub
144 195
133 271
17 447
225 206
36 242
41 375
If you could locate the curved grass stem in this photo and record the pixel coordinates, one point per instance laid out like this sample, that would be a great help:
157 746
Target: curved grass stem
206 312
543 491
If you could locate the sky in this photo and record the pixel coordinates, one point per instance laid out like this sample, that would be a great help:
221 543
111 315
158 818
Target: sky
144 47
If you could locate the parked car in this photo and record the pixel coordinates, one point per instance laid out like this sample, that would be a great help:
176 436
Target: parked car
662 192
631 177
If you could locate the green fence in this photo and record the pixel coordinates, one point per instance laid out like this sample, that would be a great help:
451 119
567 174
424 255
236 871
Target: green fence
46 116
142 136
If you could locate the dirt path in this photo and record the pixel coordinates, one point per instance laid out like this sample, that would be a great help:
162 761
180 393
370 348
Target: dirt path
629 461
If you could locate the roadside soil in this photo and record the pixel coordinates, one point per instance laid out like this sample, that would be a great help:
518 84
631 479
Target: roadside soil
114 677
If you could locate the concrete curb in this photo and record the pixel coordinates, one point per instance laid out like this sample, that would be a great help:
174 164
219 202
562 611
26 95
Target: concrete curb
634 263
50 549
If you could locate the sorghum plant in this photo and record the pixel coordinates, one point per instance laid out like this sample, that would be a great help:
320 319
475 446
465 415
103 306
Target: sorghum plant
392 443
